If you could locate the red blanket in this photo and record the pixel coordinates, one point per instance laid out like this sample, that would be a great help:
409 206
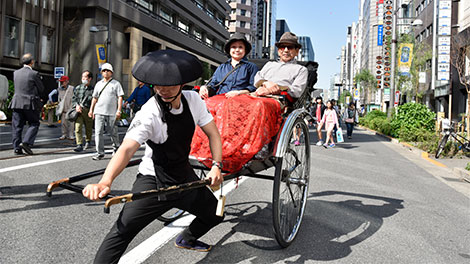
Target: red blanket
245 124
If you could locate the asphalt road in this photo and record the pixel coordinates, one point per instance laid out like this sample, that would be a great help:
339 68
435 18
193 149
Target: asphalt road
370 201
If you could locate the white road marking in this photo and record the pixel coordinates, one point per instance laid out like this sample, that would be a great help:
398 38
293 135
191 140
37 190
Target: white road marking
44 139
146 249
40 163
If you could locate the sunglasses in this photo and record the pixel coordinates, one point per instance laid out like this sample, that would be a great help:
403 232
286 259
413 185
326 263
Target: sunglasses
289 47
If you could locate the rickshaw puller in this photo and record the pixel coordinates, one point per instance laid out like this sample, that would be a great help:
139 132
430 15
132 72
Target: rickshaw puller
166 123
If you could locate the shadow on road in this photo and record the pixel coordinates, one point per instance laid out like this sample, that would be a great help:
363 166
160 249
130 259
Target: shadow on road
22 196
334 222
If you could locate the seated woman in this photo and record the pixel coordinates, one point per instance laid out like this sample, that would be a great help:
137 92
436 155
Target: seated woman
236 76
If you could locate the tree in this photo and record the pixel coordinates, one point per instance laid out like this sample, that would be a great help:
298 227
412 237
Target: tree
367 82
459 59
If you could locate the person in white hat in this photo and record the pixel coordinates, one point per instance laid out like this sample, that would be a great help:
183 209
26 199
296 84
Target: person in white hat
105 108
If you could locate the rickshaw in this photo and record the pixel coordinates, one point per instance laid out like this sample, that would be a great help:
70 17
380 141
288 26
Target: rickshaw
291 163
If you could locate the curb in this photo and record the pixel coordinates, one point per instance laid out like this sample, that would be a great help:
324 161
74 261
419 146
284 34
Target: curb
463 174
420 152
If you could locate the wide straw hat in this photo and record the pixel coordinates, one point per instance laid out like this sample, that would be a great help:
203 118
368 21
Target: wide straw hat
167 68
289 38
237 37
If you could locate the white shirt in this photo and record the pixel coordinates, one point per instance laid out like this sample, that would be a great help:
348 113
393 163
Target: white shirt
148 124
108 100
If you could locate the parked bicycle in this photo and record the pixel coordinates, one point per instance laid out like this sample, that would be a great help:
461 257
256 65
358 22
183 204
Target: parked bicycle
449 131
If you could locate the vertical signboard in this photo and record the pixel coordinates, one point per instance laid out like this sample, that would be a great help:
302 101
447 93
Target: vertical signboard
443 31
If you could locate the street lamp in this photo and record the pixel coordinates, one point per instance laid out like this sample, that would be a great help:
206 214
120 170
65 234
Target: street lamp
415 23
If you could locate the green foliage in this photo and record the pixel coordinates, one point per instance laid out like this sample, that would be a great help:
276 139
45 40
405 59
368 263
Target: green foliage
377 120
468 166
411 118
365 78
342 97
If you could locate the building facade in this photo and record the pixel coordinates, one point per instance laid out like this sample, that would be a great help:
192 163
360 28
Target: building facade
307 53
241 14
141 26
264 28
31 26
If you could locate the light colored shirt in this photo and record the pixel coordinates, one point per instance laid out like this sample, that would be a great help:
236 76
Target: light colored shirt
147 124
289 74
108 100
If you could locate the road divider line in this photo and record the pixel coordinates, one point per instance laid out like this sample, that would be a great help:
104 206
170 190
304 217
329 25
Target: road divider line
425 156
147 248
46 139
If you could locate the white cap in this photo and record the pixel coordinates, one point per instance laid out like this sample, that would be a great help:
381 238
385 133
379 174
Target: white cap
107 66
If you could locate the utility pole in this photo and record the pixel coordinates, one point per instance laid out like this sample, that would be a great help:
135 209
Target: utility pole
108 42
394 59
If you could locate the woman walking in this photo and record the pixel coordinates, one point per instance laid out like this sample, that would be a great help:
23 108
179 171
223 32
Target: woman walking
330 119
350 117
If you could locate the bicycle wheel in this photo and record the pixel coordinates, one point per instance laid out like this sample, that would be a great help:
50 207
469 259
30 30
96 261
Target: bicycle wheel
441 145
291 185
171 215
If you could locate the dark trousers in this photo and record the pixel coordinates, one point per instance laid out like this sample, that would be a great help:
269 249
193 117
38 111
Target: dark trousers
138 214
19 119
349 127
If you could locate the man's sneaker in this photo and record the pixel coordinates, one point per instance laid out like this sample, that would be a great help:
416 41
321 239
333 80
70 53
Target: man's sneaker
87 145
297 143
196 245
62 137
79 148
98 156
332 145
325 145
320 142
18 152
26 148
349 137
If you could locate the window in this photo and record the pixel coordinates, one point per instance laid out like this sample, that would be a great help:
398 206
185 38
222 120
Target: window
183 26
197 33
209 42
47 45
44 4
166 16
52 4
243 1
30 38
219 46
242 24
233 11
243 12
11 29
146 4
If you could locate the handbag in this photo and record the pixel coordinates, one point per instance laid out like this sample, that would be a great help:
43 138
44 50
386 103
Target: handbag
212 91
349 120
339 135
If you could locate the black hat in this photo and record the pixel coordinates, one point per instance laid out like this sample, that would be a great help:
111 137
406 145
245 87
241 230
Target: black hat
167 68
237 37
289 38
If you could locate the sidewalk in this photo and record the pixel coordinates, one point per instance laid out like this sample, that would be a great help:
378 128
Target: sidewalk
455 165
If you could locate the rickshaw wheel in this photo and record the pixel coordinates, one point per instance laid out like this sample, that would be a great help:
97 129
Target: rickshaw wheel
171 215
291 180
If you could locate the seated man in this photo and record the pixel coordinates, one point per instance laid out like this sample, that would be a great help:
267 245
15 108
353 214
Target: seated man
284 74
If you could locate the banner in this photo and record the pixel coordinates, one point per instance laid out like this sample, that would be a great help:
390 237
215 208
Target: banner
100 54
405 55
380 35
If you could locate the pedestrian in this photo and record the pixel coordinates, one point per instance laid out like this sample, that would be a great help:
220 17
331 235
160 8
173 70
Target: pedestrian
167 123
65 94
338 114
351 117
318 112
330 119
26 105
81 101
105 109
51 107
285 73
236 75
139 97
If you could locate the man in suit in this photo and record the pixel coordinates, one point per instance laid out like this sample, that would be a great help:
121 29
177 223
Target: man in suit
26 105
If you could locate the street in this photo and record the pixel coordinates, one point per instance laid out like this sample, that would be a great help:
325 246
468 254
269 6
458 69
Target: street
370 201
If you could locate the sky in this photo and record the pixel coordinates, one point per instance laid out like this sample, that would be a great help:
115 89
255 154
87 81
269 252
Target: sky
326 23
